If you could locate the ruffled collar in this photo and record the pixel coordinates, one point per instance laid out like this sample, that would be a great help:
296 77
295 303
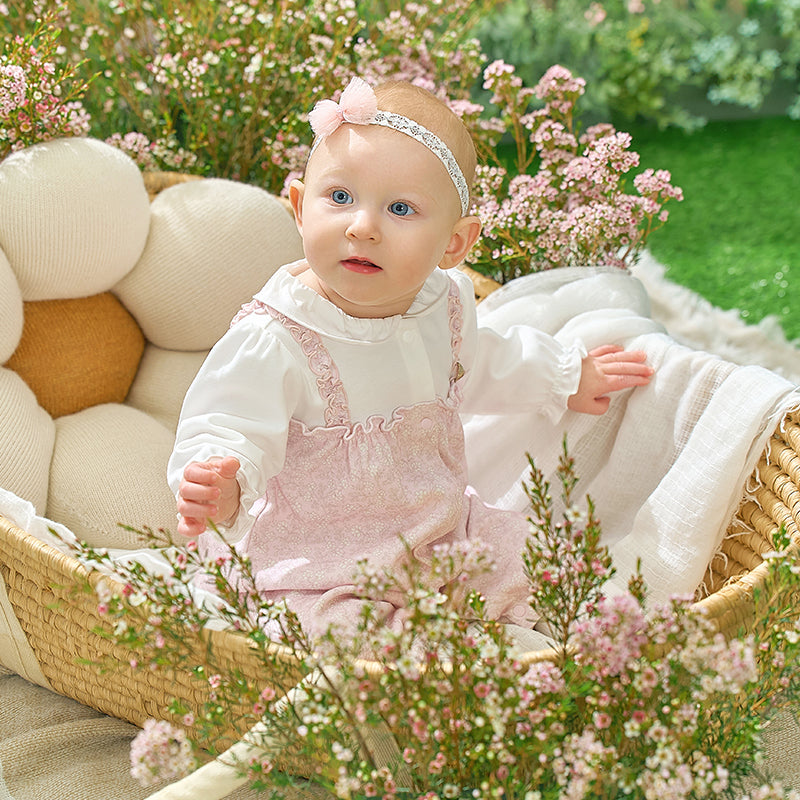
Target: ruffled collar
286 293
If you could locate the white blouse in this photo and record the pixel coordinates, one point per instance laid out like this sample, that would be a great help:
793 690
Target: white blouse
256 378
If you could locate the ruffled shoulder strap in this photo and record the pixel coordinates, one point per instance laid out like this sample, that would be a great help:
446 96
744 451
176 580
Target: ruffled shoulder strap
320 361
456 319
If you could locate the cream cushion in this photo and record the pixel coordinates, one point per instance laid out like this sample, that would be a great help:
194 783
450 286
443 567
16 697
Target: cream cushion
162 381
27 434
108 467
74 216
10 310
212 245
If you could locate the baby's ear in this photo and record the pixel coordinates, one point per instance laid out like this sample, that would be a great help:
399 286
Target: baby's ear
465 233
296 192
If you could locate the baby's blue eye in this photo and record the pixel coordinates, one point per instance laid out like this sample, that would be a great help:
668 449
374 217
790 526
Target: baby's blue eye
401 209
341 197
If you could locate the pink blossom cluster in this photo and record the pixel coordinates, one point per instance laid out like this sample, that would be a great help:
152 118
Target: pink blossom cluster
160 752
722 666
137 146
579 763
633 701
13 88
670 776
609 641
541 678
37 100
574 209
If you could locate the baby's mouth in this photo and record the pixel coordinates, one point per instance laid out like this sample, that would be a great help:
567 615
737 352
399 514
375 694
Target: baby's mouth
360 265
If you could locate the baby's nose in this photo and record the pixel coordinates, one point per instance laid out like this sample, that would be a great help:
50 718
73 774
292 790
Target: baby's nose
363 225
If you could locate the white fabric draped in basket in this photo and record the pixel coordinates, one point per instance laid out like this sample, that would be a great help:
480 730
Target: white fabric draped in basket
666 465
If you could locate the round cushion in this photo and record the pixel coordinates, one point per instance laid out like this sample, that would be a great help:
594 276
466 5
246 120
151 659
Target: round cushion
162 381
27 436
74 216
213 243
79 352
109 467
10 310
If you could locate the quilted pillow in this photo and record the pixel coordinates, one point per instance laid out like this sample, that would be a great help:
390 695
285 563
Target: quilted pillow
74 216
27 435
162 381
213 243
109 465
10 310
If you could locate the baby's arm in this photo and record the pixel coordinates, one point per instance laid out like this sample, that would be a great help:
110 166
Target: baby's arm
209 491
608 368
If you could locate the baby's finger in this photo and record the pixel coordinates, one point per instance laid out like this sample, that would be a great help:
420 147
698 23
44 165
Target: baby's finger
616 383
227 467
200 472
191 527
198 492
192 508
626 368
604 350
623 356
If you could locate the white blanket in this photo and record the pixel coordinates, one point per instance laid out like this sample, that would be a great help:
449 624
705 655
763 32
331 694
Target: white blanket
667 464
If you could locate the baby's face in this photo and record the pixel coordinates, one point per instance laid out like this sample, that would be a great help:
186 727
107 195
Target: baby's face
376 212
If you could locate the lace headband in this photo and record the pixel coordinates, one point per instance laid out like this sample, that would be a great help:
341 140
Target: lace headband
359 106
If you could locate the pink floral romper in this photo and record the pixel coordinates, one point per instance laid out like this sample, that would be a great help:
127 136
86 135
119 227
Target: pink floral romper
350 491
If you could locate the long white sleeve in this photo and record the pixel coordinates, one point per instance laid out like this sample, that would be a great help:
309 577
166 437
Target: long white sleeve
239 405
520 370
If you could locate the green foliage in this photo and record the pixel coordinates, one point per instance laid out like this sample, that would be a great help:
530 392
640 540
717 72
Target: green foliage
647 59
39 98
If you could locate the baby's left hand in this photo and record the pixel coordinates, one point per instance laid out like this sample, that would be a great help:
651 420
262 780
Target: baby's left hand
608 368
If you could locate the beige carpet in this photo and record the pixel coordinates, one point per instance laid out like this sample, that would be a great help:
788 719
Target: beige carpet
52 748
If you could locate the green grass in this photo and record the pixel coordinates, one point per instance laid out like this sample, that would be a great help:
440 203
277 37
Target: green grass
735 238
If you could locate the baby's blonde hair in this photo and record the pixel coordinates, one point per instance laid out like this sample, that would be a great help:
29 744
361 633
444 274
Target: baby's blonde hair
422 106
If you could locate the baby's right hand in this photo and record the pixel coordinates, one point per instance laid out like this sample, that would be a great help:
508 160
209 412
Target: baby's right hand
209 491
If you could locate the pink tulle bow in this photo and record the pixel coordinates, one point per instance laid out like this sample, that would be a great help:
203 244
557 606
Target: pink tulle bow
357 105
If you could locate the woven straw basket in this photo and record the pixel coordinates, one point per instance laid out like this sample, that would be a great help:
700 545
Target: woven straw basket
59 623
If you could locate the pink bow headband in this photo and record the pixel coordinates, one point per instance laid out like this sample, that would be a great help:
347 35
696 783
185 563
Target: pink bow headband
359 106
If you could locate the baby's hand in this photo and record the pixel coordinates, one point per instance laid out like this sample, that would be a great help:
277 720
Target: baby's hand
209 491
606 369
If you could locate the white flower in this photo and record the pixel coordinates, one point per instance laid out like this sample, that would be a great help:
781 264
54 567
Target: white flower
430 605
104 593
342 753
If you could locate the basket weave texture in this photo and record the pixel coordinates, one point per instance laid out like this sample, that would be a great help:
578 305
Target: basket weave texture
60 624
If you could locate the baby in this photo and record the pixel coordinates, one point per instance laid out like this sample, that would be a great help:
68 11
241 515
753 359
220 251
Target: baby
324 427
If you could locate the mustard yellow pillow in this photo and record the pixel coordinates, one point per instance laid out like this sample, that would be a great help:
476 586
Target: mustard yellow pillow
78 352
